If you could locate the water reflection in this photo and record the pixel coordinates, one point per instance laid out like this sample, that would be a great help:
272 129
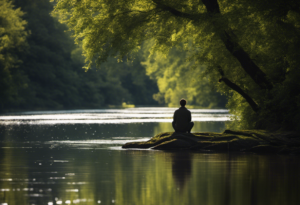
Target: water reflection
43 176
84 164
181 168
22 133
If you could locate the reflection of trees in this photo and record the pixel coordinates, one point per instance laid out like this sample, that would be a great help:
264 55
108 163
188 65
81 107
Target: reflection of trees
12 173
181 168
149 177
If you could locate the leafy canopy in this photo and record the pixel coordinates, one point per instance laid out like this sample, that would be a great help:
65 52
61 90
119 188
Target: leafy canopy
118 28
214 33
177 78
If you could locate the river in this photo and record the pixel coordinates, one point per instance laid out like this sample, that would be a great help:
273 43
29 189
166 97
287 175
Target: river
75 157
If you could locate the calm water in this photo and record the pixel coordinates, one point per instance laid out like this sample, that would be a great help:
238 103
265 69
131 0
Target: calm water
75 157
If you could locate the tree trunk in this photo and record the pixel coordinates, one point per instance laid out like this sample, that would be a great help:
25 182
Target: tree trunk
239 90
238 52
259 77
236 88
246 62
232 46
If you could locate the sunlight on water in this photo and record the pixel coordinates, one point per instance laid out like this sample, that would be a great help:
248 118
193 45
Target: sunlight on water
75 157
128 110
112 143
98 141
111 116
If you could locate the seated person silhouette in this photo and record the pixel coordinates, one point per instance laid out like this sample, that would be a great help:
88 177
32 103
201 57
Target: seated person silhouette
182 119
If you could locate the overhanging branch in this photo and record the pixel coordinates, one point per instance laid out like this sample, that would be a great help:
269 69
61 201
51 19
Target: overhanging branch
239 90
176 12
212 7
246 62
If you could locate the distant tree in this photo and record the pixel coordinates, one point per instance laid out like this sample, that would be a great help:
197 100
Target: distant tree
47 62
131 76
49 70
12 41
41 68
177 78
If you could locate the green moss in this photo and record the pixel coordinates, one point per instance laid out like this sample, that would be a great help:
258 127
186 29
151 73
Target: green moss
259 141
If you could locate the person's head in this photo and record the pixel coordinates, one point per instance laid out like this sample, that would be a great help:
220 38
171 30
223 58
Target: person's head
182 102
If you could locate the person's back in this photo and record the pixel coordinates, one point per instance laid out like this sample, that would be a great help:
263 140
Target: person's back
182 118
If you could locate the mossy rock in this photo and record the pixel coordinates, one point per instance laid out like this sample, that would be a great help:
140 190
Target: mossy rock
257 141
174 144
224 146
158 139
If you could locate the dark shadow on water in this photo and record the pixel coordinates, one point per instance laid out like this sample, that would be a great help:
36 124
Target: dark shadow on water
181 168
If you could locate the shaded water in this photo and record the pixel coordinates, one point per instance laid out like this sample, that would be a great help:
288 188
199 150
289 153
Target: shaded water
75 157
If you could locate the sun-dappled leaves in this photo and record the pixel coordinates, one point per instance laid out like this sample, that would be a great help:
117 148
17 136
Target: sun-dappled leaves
253 44
177 78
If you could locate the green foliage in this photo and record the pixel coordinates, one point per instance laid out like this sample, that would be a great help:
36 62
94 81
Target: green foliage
131 76
270 34
48 74
54 80
12 41
178 78
266 31
119 29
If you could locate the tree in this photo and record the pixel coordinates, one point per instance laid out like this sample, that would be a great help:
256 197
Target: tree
12 41
48 73
177 78
131 75
251 46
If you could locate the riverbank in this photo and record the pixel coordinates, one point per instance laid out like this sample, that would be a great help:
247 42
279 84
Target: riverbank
255 141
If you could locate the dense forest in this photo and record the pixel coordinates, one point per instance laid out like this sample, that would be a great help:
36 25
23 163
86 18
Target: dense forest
41 68
248 49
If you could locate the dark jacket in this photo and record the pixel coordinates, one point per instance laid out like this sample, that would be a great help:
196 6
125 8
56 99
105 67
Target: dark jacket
181 118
